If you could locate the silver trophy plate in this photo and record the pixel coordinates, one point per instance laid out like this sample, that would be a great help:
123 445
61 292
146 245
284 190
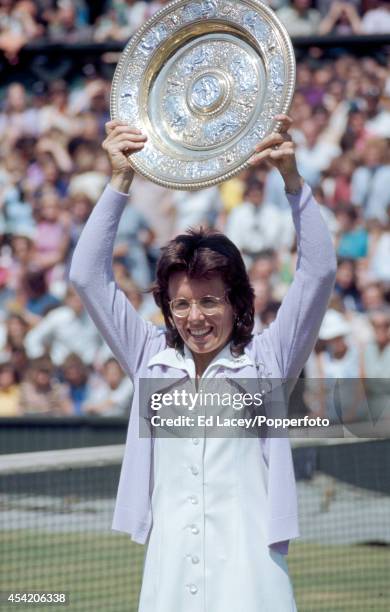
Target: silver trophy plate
204 80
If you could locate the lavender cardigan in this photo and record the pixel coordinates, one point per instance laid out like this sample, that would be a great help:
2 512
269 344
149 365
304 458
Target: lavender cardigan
140 347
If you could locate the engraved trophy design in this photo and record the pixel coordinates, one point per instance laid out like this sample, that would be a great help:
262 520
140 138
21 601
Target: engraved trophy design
204 80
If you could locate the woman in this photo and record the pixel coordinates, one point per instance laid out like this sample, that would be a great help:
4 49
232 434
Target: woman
217 513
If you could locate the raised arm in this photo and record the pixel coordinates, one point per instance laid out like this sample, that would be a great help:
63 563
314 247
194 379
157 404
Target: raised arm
130 337
294 332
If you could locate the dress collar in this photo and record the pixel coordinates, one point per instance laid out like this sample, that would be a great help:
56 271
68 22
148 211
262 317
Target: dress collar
174 359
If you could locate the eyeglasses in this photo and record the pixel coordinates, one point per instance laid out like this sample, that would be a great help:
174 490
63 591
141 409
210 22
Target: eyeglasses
208 305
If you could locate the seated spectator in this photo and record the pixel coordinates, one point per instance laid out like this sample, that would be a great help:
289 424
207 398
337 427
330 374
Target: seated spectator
86 179
379 251
17 117
18 26
264 267
68 21
12 334
76 377
255 224
22 254
315 151
356 135
342 18
377 352
41 394
371 179
346 287
339 361
63 331
377 19
51 235
264 304
195 208
352 238
376 366
56 113
338 184
35 297
299 18
112 394
373 297
9 391
133 239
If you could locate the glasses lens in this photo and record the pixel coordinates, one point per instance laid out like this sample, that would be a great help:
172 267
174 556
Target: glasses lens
209 304
180 307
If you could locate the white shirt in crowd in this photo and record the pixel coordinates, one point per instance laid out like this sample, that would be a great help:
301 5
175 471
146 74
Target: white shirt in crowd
62 332
194 208
119 398
254 228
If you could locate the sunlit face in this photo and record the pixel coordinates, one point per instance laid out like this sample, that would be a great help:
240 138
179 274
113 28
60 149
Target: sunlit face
203 334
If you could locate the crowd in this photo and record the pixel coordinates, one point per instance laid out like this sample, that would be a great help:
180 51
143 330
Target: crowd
53 169
72 21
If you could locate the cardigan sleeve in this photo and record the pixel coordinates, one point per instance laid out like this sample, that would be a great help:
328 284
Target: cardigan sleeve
128 335
294 332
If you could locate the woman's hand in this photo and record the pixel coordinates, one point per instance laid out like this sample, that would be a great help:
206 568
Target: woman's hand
122 140
278 150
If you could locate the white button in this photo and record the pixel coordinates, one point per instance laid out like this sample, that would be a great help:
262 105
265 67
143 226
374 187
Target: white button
195 441
193 499
195 559
195 470
193 588
194 529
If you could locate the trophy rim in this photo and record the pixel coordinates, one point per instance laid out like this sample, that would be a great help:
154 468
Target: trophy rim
197 184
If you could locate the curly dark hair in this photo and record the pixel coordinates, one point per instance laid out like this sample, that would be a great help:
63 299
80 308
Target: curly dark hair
203 253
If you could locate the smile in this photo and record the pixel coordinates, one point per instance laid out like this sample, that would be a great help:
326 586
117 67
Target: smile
199 333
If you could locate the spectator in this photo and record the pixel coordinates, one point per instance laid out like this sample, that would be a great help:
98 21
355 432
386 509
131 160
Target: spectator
52 237
41 394
12 335
352 239
112 394
18 26
376 366
377 352
346 287
86 179
299 18
377 19
9 391
36 300
371 179
195 208
17 117
342 18
255 225
133 239
379 251
340 361
64 331
76 377
373 297
264 304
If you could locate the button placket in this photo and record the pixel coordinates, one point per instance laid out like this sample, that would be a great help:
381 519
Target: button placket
193 511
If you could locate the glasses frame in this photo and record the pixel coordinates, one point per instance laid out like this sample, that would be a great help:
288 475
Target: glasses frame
221 300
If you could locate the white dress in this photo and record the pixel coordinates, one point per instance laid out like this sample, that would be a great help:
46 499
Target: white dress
207 549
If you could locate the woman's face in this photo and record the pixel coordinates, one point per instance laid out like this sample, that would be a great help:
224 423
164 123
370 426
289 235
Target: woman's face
203 334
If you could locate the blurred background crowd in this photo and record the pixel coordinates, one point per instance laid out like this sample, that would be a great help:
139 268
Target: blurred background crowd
72 21
53 169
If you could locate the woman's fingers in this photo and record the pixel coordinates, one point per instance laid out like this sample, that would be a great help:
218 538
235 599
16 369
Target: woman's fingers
285 122
272 140
117 126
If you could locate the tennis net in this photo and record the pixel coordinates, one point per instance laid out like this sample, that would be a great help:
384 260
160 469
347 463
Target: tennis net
56 510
